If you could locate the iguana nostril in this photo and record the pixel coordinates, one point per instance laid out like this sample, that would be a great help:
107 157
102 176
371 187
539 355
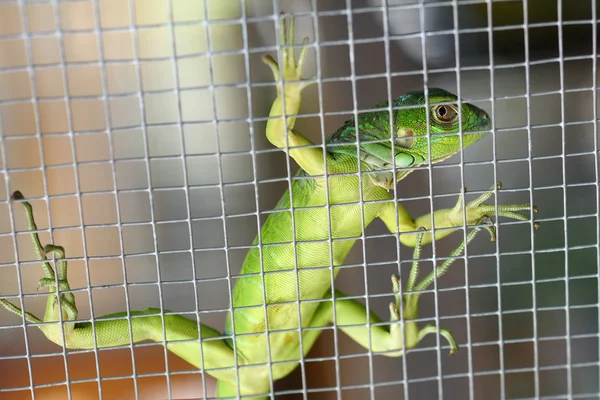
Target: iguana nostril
485 120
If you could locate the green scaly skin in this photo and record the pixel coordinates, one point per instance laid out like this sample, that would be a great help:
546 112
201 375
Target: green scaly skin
305 267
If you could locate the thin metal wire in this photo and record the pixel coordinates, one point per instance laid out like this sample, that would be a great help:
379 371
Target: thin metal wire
215 124
361 202
253 152
262 50
536 376
97 20
265 212
186 189
246 247
68 101
457 52
16 264
142 108
495 172
30 59
386 33
348 266
365 77
274 180
338 378
595 140
325 13
436 311
563 98
279 26
421 349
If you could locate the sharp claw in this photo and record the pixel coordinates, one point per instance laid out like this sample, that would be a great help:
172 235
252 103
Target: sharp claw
271 63
498 185
492 233
50 248
17 196
291 68
267 59
40 285
394 313
488 223
395 283
535 209
302 56
283 23
290 36
486 219
536 225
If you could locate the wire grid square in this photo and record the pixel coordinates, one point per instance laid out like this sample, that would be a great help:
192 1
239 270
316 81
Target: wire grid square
126 121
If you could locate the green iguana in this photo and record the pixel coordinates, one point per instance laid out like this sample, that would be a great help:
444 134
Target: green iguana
305 268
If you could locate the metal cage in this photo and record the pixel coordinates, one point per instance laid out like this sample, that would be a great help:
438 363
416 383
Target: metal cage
136 130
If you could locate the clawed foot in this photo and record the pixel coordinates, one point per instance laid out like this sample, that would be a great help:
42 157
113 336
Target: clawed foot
410 299
477 211
50 280
412 334
292 69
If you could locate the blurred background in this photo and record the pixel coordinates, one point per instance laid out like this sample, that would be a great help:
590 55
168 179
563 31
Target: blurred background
138 133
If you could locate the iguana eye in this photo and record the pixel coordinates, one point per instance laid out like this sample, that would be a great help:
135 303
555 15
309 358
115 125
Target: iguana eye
445 113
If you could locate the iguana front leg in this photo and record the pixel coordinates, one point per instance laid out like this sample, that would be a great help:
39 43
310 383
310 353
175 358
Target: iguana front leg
114 329
403 332
449 217
281 132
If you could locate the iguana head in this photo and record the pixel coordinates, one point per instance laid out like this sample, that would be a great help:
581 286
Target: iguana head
411 144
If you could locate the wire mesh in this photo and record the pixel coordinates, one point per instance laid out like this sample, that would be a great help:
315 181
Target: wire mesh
136 129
